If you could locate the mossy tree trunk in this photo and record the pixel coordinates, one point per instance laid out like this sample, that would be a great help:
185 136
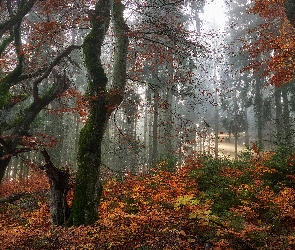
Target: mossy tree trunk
290 11
101 104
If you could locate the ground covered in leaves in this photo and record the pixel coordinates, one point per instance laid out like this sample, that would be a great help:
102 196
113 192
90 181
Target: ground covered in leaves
207 204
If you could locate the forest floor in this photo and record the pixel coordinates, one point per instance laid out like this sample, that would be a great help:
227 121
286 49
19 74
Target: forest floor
213 204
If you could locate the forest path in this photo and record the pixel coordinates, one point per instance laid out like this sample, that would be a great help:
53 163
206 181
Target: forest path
228 149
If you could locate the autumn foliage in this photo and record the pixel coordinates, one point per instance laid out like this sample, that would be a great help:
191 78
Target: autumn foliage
273 51
216 203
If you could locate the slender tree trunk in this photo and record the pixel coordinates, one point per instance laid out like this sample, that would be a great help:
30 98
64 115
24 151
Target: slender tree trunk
216 131
286 116
236 123
279 120
155 89
258 110
155 127
76 141
145 131
15 170
150 127
167 113
247 136
168 128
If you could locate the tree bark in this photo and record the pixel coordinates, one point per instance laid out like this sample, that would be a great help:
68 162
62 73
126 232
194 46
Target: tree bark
5 157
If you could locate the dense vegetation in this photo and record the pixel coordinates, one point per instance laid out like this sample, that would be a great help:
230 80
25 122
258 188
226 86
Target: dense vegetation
208 203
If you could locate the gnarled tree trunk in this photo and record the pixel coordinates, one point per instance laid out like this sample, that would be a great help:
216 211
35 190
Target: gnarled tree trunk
59 186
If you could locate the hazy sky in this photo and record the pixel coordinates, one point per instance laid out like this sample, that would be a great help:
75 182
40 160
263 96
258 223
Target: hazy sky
214 15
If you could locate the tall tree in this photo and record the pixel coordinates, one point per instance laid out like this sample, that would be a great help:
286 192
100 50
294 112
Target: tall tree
101 104
274 47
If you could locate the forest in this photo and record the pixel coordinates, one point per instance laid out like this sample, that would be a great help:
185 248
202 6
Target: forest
147 124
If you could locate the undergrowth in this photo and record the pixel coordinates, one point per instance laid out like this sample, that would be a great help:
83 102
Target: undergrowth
208 203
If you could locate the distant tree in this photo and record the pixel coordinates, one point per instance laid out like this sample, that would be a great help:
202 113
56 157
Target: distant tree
241 89
274 47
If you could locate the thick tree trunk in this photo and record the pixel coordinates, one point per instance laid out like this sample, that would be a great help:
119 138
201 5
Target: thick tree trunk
101 104
59 209
88 188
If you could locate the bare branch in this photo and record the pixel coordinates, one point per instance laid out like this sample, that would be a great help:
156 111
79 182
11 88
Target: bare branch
17 18
65 53
60 85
